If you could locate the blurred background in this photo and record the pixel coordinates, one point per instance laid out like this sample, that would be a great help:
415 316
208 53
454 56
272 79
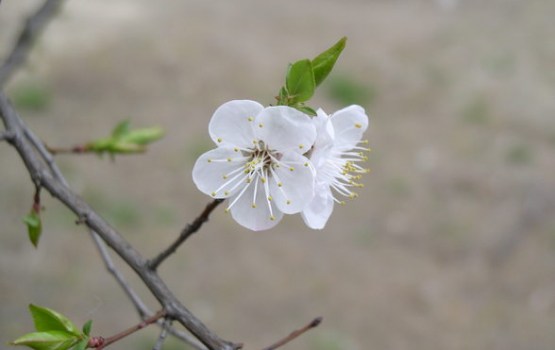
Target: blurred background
451 244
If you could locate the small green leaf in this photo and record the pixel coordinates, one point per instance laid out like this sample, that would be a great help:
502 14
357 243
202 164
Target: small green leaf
324 62
87 327
82 345
121 129
143 136
100 145
50 340
299 82
34 226
49 320
306 110
125 140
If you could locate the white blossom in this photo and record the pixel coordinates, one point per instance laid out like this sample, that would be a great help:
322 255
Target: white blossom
258 163
336 155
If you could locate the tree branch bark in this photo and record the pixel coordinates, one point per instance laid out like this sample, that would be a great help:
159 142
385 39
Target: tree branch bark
41 175
33 26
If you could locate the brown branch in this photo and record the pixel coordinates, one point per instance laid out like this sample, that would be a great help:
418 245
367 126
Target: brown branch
40 174
100 342
72 150
33 26
314 323
185 233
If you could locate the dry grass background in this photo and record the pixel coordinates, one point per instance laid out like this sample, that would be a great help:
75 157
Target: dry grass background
451 244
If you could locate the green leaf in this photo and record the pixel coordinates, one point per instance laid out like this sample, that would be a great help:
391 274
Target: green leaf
121 129
87 327
324 62
306 110
143 136
50 340
34 226
49 320
125 140
299 82
82 345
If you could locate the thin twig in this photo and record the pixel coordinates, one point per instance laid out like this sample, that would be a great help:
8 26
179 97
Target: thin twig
163 333
185 233
314 323
100 342
140 306
33 26
41 174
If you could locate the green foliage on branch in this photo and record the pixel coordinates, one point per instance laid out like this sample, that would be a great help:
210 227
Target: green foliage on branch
54 331
124 140
304 76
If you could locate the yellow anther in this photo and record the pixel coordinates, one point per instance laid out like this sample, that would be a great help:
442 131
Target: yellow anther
250 119
291 169
270 198
253 205
260 125
224 177
358 126
279 184
272 218
226 193
263 179
236 149
229 159
306 164
226 210
288 202
219 139
249 180
213 194
301 146
209 160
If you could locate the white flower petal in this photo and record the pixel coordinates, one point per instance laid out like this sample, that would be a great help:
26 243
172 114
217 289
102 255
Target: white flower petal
325 136
258 218
318 211
349 124
217 172
284 128
292 183
232 123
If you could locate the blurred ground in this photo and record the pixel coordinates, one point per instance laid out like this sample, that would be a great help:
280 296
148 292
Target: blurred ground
451 244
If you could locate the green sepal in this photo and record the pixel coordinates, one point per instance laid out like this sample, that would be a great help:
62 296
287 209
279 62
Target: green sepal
87 327
82 345
49 320
299 82
324 62
306 110
34 226
48 340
